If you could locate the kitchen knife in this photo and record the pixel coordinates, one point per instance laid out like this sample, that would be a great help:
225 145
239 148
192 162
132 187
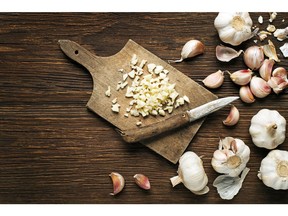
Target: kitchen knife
175 121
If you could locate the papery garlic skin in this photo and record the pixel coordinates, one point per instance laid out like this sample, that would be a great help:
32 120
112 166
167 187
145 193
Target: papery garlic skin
191 173
225 54
268 129
231 157
284 49
259 87
254 57
281 34
233 28
214 80
274 170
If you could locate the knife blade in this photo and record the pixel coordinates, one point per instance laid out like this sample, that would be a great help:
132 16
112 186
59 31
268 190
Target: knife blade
175 121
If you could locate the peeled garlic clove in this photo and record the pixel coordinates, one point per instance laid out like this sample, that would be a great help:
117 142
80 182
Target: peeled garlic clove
241 77
280 72
225 54
233 117
214 80
253 57
284 50
259 87
246 94
270 51
190 49
142 181
265 70
118 182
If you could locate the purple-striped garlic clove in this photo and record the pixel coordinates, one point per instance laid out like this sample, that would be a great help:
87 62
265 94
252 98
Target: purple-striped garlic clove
142 181
233 117
246 94
259 87
280 72
278 84
118 182
241 77
265 70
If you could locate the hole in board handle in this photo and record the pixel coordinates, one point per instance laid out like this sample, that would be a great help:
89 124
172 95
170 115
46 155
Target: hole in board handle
76 52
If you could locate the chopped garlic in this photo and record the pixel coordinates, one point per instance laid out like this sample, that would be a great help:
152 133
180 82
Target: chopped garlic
126 115
143 62
186 99
121 70
131 74
260 19
115 108
161 112
123 85
134 60
139 123
125 76
108 92
151 67
114 101
272 16
158 69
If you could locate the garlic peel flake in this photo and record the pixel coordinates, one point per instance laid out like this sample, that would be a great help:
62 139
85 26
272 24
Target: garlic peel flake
226 54
284 50
228 186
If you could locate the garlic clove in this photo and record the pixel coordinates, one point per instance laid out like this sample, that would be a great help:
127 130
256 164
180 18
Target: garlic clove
214 80
280 72
142 181
270 51
259 87
246 94
241 77
225 54
265 70
278 84
190 49
284 49
254 57
118 182
233 117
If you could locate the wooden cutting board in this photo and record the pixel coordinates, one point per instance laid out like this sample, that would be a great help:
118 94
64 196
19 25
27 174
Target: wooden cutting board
105 72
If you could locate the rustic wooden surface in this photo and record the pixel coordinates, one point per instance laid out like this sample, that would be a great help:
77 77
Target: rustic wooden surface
54 150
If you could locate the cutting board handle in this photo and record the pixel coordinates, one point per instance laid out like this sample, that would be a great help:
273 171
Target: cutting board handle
79 54
149 131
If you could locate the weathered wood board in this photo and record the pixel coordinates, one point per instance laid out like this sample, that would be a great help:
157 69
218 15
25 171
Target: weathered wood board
105 72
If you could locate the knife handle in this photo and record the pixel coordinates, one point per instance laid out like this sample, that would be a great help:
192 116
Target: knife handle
145 132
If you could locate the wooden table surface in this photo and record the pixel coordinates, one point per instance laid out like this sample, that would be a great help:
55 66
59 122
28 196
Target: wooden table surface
54 150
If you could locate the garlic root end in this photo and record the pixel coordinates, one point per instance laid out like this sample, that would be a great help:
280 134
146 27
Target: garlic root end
175 180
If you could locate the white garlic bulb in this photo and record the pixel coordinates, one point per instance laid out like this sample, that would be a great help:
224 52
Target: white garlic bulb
231 157
233 28
191 173
268 129
274 170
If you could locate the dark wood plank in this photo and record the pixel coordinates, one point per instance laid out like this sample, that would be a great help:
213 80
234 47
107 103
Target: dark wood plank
54 150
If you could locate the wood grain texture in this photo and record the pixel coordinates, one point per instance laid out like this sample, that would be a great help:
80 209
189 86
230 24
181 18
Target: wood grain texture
54 150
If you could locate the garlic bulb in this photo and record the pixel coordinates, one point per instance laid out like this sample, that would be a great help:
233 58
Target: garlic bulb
191 173
190 49
268 129
233 28
274 170
228 186
231 157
